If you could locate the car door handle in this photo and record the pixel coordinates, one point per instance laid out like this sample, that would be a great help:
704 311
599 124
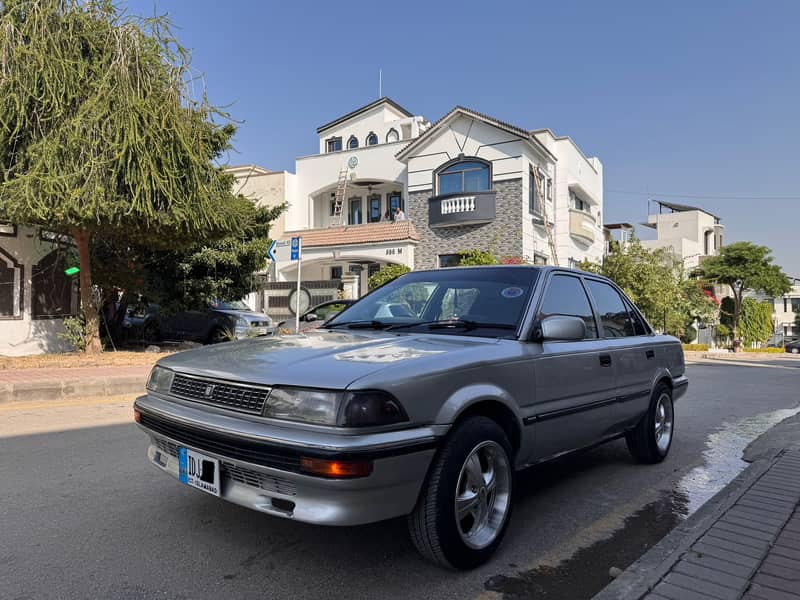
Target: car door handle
605 360
651 354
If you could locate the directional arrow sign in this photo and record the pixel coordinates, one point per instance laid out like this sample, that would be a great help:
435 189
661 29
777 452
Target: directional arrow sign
280 250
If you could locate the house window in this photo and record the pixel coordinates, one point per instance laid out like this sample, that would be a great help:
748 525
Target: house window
352 142
333 144
356 217
336 272
392 136
395 201
573 264
10 287
374 208
8 229
53 293
464 176
372 139
579 204
539 259
333 204
534 200
449 260
373 268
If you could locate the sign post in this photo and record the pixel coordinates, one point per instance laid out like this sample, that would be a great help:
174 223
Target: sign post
296 255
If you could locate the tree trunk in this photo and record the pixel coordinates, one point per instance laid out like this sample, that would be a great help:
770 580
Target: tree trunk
737 312
93 345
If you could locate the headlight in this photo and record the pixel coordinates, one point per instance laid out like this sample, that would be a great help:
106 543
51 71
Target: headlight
324 407
371 408
160 380
302 404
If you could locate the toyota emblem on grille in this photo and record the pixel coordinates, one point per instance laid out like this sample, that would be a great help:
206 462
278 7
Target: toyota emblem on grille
209 391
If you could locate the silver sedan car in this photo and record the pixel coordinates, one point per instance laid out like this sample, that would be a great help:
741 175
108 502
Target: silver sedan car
428 411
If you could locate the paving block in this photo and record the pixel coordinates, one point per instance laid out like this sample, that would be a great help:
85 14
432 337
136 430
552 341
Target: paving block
759 545
787 573
36 390
704 587
735 554
674 592
86 388
711 575
757 592
745 531
742 516
776 583
782 561
719 565
790 552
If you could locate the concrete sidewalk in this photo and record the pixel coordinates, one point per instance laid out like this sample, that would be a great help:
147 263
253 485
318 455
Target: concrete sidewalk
18 385
744 543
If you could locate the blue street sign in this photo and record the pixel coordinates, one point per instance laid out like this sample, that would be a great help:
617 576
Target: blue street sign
271 251
295 248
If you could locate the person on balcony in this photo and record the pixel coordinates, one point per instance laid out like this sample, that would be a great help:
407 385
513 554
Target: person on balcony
399 215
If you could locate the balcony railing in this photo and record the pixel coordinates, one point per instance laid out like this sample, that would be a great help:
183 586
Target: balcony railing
582 224
463 208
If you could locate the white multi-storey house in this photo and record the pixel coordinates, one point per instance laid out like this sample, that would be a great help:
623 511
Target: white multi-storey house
465 182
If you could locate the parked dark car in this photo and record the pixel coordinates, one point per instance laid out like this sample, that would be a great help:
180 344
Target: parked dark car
793 347
221 322
422 400
317 315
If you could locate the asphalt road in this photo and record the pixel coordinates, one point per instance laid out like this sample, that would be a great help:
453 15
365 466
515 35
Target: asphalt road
83 515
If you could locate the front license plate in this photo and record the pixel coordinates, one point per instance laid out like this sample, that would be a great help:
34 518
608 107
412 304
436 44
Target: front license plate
199 471
261 330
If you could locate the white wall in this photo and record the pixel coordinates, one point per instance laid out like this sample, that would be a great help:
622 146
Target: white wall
319 172
684 233
24 335
265 189
586 177
378 120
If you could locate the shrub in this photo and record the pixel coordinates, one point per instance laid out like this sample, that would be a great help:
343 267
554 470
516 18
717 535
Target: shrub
386 274
473 257
75 332
695 347
766 350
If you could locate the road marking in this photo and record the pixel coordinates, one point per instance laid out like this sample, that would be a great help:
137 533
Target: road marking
718 362
78 402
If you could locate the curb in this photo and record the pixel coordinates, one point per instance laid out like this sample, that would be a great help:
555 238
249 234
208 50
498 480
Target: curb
642 576
45 391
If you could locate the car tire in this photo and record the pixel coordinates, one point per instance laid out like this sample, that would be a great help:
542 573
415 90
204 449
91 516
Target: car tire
652 438
151 333
218 335
484 497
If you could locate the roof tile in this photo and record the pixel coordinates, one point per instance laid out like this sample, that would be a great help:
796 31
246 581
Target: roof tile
368 233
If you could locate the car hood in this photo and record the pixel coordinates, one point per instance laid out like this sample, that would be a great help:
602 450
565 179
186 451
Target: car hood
324 359
247 315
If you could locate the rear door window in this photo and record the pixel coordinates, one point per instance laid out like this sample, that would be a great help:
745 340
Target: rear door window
614 318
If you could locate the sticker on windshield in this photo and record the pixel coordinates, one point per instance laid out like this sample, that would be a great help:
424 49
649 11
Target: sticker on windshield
512 292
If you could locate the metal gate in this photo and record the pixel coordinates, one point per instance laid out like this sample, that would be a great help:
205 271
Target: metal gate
273 296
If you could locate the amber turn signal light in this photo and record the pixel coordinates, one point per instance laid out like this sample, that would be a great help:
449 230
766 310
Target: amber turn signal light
335 469
137 416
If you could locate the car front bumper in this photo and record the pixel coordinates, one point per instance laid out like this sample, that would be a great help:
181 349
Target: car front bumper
399 466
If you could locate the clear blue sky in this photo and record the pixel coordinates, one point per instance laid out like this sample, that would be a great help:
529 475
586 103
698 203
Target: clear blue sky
686 98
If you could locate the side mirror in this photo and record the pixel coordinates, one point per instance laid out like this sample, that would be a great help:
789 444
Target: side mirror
560 328
310 317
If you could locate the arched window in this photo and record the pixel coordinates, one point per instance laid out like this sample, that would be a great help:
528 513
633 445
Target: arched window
352 142
372 139
11 275
392 136
468 175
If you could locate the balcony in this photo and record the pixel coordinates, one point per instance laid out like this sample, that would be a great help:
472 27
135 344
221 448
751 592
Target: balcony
582 225
463 208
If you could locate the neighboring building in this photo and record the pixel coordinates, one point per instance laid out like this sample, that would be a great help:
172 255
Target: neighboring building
690 233
617 235
463 182
265 188
784 313
35 293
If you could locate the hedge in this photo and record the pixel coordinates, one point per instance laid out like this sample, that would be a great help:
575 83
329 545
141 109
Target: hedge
695 347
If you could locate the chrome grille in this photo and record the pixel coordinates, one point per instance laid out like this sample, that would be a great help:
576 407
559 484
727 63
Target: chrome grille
259 480
226 395
243 475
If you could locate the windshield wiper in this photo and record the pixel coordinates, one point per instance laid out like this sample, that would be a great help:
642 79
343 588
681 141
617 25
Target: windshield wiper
360 325
452 324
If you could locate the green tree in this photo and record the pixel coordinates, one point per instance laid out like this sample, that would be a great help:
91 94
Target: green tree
745 266
654 280
101 136
386 274
475 257
756 325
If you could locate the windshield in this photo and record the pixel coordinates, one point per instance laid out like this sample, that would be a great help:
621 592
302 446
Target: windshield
234 305
488 301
